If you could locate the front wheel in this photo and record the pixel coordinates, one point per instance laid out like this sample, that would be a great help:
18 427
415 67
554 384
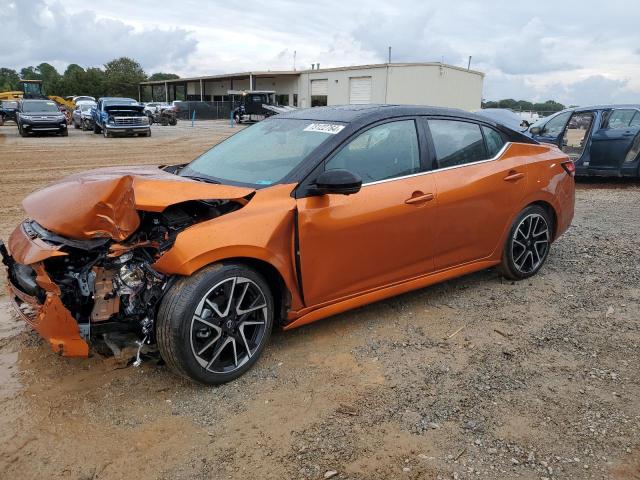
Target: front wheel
213 326
527 246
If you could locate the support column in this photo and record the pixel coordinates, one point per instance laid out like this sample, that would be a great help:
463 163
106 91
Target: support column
166 92
201 91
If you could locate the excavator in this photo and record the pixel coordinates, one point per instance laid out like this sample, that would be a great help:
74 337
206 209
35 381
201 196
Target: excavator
33 89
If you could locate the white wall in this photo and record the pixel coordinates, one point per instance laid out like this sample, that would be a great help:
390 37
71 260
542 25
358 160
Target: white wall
434 85
407 85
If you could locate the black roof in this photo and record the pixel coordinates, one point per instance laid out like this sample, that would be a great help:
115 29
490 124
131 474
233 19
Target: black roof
351 113
358 115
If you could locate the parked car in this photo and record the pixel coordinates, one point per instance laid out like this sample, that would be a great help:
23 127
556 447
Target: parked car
40 116
8 111
155 107
120 115
82 116
302 216
601 140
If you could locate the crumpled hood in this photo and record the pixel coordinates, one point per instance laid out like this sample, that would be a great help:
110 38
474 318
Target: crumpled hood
104 202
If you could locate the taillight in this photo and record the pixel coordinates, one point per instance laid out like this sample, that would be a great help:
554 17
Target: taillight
569 167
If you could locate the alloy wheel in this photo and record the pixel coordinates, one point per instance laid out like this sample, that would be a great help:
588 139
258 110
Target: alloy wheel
229 325
530 243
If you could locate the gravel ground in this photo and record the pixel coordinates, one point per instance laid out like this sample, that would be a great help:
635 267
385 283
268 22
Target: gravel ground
473 378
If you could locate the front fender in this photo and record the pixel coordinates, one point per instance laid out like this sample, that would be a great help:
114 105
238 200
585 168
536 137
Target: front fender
263 230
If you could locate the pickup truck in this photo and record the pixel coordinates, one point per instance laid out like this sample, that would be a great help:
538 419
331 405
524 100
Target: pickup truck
120 115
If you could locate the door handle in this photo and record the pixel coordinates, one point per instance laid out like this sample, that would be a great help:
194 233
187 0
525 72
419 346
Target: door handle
513 176
628 134
419 197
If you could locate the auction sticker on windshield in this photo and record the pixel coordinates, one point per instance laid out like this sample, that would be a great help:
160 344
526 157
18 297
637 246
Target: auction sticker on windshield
330 128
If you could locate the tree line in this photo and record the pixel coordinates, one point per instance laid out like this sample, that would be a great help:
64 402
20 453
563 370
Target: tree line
550 106
118 78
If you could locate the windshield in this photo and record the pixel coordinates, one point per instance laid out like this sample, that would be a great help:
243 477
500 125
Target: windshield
262 154
46 107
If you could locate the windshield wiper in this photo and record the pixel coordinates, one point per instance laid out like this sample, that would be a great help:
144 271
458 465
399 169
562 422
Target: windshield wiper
202 179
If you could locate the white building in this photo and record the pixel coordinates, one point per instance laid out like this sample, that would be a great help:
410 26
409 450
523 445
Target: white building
434 84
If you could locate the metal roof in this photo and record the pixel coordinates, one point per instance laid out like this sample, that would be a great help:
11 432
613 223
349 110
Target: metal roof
269 73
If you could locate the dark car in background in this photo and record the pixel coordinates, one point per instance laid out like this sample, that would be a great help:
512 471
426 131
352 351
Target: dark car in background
8 109
602 140
40 116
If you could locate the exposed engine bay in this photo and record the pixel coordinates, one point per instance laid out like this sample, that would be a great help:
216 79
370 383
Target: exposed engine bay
110 286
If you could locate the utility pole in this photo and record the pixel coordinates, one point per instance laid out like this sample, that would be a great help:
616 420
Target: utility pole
389 60
294 60
469 64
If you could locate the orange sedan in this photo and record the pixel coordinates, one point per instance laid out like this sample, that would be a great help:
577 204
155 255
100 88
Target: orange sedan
294 219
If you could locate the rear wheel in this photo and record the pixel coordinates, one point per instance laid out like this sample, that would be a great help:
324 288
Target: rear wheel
527 246
213 326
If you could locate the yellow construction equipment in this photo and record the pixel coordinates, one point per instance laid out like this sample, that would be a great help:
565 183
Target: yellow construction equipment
33 89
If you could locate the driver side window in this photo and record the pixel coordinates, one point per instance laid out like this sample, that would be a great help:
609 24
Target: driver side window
387 151
554 127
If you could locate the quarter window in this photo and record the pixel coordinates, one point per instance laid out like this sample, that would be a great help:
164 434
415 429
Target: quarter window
635 121
493 140
457 143
387 151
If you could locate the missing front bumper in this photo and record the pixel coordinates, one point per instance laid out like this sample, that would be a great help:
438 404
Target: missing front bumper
47 314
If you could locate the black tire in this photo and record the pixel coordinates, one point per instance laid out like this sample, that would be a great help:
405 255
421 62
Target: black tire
528 243
182 335
173 121
22 132
148 134
96 129
64 133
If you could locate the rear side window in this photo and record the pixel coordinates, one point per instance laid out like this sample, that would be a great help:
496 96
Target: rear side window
457 143
494 141
621 118
635 121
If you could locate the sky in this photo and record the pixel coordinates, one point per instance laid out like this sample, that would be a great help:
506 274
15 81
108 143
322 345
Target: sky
575 52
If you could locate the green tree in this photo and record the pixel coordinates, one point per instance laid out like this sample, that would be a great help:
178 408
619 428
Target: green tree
30 73
122 77
8 80
163 76
51 79
94 83
74 80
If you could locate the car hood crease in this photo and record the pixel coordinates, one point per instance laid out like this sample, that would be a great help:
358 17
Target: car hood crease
105 202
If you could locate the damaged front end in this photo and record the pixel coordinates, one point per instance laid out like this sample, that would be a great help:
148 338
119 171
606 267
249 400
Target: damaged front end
74 291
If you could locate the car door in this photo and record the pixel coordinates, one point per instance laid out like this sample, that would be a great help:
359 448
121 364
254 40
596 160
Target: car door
616 144
378 236
479 182
576 138
552 130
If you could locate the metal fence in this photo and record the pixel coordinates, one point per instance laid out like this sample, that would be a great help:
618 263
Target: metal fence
205 110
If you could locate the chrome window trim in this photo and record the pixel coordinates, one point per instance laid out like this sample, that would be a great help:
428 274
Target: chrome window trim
495 157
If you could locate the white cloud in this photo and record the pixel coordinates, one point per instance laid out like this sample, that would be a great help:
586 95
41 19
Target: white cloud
572 51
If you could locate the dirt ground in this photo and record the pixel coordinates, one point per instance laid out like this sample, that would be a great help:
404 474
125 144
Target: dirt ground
473 378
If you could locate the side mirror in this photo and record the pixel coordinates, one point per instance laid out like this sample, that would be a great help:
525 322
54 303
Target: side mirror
535 130
342 182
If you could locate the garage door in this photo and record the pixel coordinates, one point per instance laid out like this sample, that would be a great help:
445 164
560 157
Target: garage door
359 90
319 87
